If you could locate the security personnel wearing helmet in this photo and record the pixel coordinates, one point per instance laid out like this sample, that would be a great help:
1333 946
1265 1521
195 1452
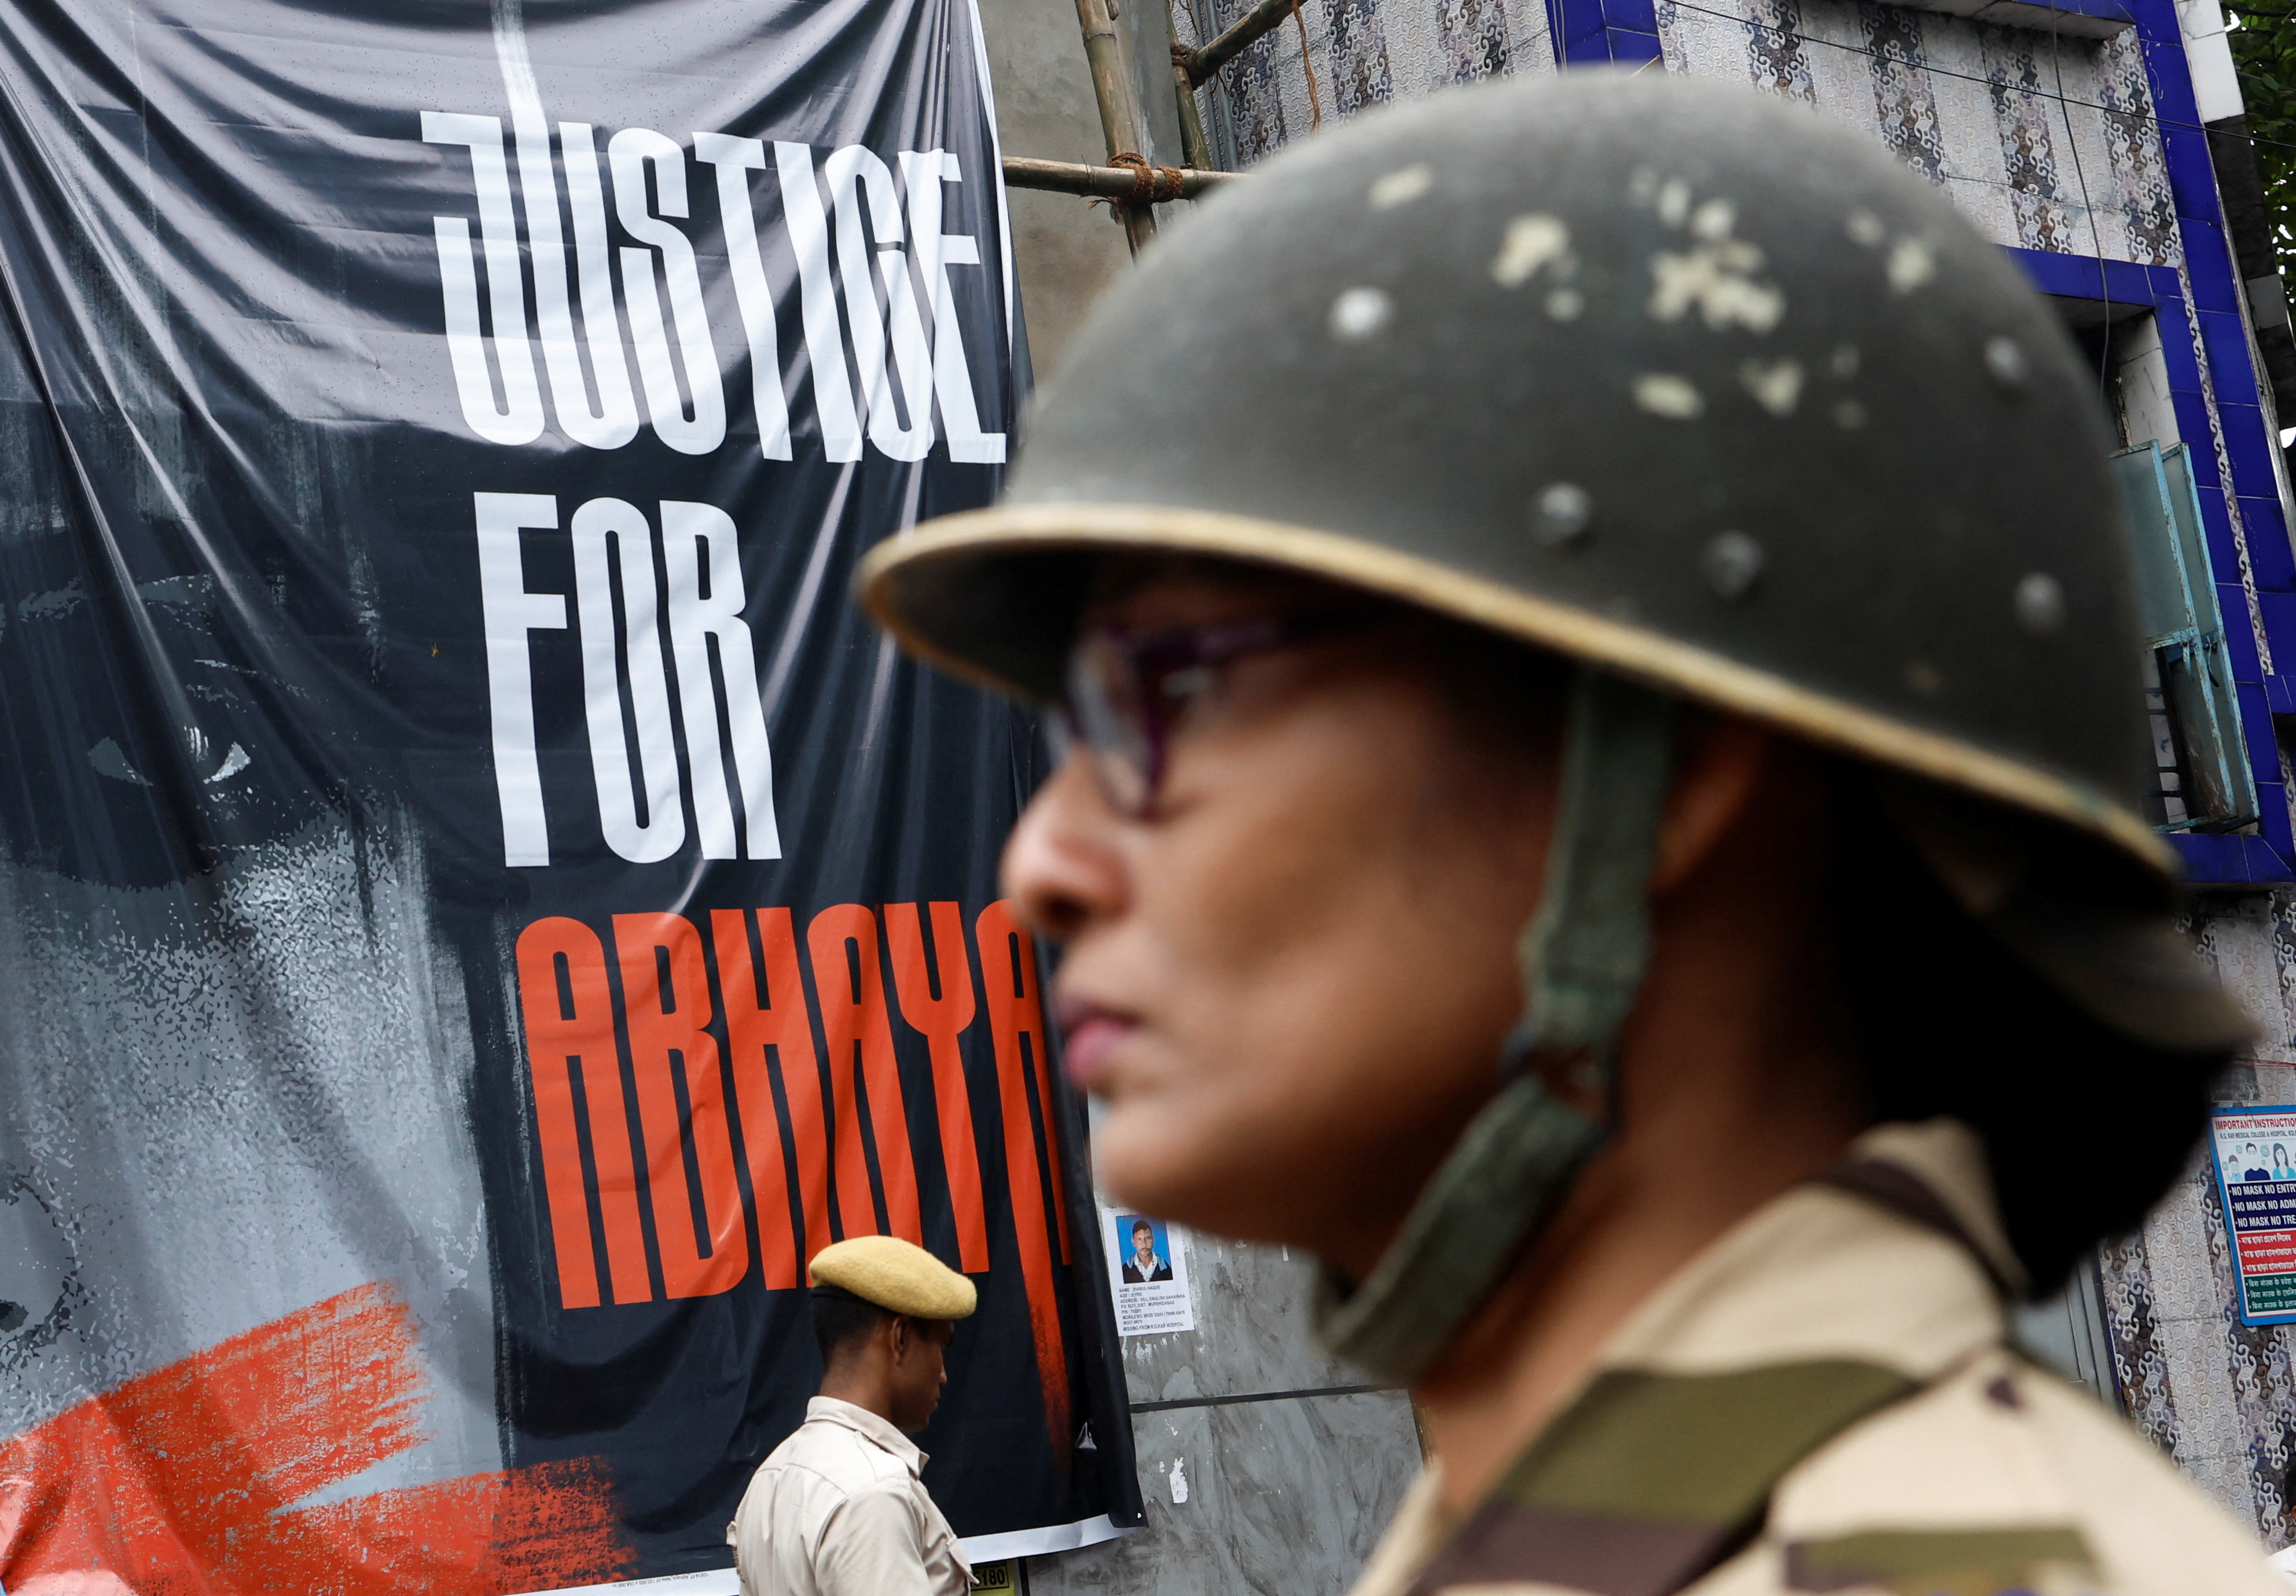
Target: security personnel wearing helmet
1617 579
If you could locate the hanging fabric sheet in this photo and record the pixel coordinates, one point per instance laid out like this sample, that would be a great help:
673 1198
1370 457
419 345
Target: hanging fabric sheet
477 907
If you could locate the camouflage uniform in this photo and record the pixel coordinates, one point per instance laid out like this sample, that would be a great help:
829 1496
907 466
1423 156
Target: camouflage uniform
1833 1378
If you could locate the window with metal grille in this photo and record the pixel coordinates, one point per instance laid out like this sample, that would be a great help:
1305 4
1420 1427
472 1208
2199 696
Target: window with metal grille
2205 783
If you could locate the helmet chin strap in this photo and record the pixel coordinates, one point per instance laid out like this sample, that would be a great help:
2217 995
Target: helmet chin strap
1582 957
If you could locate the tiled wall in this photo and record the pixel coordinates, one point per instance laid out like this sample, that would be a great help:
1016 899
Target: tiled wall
2047 144
1360 53
1974 109
2218 1395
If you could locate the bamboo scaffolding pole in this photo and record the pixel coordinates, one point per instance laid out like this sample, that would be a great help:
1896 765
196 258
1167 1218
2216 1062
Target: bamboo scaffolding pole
1120 183
1119 119
1208 58
1194 147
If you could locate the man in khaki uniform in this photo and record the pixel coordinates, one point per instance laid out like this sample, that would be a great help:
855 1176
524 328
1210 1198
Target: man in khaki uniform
1620 580
839 1508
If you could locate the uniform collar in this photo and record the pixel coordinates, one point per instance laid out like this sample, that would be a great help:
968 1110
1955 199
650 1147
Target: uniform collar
1935 1174
876 1427
1843 1295
1895 1256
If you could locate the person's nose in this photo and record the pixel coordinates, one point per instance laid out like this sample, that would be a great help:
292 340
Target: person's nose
1061 864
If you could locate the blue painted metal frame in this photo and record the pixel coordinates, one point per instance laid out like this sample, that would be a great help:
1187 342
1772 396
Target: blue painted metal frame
2220 859
2074 19
1595 31
2214 313
1625 31
2105 11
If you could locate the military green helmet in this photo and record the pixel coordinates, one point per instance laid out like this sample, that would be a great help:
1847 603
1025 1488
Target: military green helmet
1672 377
1677 381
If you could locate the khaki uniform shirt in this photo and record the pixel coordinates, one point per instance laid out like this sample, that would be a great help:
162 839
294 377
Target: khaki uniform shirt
838 1509
1838 1355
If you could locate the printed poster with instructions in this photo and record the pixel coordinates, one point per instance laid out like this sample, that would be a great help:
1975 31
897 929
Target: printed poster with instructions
1148 1272
2256 1172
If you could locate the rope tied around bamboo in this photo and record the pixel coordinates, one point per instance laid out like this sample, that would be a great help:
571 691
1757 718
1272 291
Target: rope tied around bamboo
1150 184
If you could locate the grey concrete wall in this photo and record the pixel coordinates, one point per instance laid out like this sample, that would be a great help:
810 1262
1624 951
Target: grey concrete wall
1287 1466
1066 252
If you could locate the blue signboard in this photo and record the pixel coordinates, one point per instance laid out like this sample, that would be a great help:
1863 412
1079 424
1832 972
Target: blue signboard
2255 1151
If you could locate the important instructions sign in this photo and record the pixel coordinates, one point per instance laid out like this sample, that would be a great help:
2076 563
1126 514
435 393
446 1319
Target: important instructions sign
2255 1151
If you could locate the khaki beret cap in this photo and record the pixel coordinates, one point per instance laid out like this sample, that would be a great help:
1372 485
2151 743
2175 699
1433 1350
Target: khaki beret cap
896 1275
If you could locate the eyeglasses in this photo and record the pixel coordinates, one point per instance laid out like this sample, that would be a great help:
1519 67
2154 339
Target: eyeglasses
1126 690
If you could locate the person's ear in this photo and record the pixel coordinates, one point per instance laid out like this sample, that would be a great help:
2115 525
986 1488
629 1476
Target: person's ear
1718 770
897 1337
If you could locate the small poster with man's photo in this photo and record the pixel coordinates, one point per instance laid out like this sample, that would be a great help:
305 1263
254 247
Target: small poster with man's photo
1148 1270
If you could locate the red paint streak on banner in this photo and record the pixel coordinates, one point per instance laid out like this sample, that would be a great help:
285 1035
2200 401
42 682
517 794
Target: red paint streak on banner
665 1021
181 1482
568 1029
942 1020
769 1028
850 985
1008 977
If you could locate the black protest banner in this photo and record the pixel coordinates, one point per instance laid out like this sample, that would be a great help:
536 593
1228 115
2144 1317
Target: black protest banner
478 908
